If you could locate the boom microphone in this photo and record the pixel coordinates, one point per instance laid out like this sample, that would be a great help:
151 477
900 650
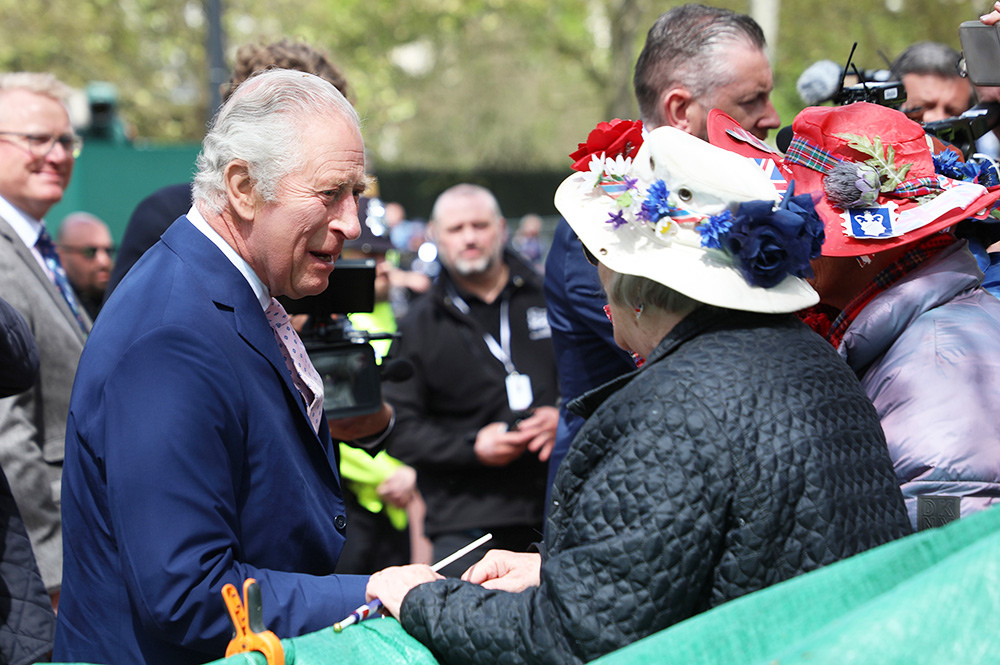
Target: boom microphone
819 82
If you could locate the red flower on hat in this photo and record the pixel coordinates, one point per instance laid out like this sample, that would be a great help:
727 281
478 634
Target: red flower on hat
618 137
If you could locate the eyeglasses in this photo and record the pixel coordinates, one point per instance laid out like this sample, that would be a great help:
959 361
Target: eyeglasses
89 252
591 259
40 145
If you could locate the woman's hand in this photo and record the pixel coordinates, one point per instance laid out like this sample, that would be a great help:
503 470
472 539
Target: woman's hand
506 571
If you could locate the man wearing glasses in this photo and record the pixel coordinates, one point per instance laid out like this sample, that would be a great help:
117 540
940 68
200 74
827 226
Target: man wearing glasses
88 255
37 152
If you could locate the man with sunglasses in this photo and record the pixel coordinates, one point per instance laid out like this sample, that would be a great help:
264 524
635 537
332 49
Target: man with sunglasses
37 152
88 255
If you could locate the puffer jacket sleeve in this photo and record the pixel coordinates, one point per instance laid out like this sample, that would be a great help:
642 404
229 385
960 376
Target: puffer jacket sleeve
635 554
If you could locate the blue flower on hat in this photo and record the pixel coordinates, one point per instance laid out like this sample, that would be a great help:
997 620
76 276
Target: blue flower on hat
771 243
714 230
656 205
948 164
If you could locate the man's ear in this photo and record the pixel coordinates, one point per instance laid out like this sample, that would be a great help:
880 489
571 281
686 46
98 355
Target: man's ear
239 190
676 105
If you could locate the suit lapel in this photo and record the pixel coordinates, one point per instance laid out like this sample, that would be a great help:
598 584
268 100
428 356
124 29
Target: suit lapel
230 291
24 253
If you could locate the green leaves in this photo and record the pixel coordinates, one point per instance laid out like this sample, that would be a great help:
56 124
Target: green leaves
883 159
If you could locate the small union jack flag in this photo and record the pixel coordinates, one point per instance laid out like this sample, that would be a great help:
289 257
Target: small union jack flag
773 172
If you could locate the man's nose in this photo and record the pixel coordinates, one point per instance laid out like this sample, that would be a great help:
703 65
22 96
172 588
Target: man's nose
933 114
768 121
103 257
346 221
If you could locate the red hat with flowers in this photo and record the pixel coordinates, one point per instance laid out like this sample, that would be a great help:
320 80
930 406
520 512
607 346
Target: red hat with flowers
882 185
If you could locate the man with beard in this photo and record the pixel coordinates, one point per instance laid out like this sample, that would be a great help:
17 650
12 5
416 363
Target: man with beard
477 418
88 255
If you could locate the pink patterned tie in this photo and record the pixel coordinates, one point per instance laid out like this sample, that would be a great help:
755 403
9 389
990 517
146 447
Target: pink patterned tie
304 375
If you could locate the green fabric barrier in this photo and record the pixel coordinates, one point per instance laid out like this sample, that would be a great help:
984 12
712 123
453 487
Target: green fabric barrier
372 642
930 598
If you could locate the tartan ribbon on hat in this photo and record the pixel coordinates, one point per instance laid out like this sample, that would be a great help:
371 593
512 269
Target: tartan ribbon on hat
805 153
808 154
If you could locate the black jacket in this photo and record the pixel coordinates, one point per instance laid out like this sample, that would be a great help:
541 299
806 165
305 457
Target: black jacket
457 388
742 454
27 623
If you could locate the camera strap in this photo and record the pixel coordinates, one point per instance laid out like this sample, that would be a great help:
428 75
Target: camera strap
519 394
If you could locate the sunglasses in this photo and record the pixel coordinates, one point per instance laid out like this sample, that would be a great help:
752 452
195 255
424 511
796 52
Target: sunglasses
89 252
591 259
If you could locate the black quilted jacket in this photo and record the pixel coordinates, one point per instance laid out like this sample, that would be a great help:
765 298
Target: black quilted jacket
742 454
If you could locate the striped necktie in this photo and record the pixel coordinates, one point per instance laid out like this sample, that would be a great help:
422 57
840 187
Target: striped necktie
47 249
304 375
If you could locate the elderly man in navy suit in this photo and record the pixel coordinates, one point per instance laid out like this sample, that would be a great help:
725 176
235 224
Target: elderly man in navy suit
197 451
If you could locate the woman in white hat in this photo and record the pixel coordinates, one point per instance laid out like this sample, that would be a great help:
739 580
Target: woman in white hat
742 453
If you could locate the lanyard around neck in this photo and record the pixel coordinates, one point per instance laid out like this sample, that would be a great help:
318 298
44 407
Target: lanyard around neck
501 351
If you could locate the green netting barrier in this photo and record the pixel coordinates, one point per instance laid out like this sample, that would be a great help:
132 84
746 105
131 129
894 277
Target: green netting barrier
931 598
372 642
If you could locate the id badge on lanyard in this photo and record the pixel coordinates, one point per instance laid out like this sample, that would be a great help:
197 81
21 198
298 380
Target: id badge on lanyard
519 396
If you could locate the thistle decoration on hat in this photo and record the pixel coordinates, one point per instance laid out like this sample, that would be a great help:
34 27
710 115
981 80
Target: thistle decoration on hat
850 185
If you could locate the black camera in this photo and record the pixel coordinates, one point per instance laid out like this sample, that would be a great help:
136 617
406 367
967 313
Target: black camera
962 131
884 93
342 355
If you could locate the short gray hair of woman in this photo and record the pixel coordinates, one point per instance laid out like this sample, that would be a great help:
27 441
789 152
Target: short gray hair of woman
263 124
634 291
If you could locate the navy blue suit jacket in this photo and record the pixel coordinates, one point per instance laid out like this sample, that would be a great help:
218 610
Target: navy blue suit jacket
583 338
190 463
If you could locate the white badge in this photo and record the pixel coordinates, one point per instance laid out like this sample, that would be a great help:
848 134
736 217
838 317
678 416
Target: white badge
519 395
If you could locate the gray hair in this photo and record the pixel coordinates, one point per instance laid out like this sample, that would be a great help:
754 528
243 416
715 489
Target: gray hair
927 58
634 290
262 124
466 190
40 83
681 50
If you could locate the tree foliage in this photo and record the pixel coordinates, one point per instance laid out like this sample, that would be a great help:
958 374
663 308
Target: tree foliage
456 84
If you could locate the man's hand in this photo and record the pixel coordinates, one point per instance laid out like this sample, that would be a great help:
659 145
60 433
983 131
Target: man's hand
497 446
391 585
506 571
541 425
399 488
360 427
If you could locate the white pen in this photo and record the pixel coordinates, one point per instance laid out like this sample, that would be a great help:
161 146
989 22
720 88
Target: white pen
372 607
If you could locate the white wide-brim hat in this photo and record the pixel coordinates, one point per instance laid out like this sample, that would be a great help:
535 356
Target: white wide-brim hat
703 181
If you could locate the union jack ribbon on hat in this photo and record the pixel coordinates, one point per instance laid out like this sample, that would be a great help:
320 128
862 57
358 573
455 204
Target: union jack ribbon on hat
773 172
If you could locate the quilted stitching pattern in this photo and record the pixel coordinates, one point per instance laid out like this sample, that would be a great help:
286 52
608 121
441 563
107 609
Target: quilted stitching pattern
740 456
